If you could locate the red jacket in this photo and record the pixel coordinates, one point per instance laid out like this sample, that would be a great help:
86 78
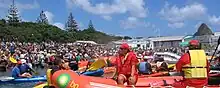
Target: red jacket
185 59
126 67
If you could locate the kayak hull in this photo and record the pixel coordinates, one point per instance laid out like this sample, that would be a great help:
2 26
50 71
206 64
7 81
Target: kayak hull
98 82
22 80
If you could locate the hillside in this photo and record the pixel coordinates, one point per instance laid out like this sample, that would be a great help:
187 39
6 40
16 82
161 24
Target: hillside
203 30
36 32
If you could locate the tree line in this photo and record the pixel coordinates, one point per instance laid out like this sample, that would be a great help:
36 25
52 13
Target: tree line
14 29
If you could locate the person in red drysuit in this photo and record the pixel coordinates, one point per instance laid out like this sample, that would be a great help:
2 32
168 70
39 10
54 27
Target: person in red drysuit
126 62
185 60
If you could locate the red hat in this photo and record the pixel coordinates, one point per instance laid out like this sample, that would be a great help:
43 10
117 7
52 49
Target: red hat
194 42
125 46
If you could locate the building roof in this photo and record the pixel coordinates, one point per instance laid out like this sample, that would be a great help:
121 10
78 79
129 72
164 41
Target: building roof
217 33
90 42
167 38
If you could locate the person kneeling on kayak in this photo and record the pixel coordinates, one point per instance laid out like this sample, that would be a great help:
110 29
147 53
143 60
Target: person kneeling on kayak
126 66
16 73
194 66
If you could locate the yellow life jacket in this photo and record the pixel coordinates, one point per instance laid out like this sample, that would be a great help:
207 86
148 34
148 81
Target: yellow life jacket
198 65
48 75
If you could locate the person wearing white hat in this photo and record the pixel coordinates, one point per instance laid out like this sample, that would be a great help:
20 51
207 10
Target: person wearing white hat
24 68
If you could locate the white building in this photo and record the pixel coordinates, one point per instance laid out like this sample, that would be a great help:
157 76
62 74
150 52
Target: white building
165 42
140 43
134 43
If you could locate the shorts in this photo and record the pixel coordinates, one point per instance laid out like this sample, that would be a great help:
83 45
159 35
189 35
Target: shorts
127 77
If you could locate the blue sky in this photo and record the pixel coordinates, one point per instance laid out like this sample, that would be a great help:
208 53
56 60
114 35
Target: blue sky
125 17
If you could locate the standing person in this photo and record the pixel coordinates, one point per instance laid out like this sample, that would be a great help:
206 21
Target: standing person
194 65
126 62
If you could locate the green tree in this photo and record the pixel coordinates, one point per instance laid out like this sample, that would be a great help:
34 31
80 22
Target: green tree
2 22
71 24
13 16
37 32
91 27
42 18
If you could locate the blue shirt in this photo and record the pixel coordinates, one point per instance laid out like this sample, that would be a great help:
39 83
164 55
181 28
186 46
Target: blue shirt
15 72
144 67
24 68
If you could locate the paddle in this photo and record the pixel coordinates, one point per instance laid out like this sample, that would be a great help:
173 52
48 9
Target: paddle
13 60
215 49
35 72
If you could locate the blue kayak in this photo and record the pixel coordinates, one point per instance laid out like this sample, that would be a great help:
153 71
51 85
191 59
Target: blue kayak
98 73
22 80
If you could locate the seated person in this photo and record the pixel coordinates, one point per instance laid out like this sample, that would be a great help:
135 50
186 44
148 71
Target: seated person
216 64
25 68
161 65
126 66
145 67
59 64
73 63
16 73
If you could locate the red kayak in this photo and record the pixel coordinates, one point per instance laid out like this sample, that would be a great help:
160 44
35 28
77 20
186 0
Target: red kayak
148 82
99 82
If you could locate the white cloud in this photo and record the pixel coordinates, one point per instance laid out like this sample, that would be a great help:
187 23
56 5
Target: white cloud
214 20
107 17
177 15
59 25
176 25
136 8
133 22
49 16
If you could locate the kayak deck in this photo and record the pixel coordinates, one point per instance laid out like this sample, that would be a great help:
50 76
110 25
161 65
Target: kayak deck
22 80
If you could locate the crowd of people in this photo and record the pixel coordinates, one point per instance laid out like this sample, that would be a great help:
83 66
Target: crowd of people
29 56
22 58
40 55
43 55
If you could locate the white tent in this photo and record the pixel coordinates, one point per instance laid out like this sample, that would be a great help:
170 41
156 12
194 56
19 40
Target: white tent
89 42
